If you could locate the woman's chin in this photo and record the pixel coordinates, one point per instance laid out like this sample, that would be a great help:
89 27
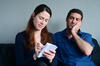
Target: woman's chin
38 29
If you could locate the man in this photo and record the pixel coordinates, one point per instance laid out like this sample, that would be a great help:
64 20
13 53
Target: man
74 47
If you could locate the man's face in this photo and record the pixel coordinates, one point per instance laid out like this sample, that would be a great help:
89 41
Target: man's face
73 19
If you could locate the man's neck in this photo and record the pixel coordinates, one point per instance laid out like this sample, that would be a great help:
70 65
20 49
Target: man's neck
69 34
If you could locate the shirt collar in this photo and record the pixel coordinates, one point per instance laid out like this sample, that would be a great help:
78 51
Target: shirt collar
65 34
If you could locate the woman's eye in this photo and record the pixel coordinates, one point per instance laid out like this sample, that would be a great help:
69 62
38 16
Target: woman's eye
40 18
46 20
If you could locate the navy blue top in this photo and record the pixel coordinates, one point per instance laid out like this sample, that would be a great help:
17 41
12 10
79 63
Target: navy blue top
68 53
24 57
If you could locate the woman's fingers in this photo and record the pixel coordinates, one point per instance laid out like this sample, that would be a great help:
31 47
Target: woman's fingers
52 51
38 47
49 54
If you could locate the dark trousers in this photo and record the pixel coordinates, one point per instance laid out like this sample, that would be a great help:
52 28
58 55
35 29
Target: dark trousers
42 62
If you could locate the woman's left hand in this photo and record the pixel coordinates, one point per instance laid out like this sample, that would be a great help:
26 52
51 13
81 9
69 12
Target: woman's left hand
49 54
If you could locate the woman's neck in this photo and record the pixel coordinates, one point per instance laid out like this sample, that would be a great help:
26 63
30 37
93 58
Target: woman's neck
37 36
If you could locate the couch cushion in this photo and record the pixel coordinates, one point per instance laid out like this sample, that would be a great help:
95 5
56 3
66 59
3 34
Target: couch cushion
7 54
96 53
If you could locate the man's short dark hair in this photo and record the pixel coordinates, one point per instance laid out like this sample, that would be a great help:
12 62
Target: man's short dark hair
75 11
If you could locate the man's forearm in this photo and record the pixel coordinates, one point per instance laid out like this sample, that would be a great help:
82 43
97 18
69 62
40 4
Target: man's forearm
84 46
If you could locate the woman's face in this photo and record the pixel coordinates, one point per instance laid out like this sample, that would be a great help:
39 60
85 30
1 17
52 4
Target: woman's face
41 20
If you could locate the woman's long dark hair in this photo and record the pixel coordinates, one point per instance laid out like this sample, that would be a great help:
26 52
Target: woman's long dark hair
45 35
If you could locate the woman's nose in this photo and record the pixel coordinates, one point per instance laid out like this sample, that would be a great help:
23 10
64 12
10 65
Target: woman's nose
42 22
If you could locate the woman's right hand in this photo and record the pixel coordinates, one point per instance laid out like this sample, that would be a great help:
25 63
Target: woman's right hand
38 48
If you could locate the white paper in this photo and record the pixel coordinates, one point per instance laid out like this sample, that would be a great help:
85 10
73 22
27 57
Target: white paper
48 46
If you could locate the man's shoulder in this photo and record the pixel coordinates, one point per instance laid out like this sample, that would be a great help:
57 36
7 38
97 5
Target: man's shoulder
85 33
58 33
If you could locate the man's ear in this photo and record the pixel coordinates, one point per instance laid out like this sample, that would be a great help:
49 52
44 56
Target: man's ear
66 20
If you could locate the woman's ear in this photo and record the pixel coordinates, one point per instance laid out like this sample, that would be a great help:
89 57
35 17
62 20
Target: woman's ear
33 14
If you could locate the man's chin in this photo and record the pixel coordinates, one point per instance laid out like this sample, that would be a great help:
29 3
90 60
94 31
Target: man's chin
69 28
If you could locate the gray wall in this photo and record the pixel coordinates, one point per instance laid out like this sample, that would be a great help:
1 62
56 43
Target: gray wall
14 15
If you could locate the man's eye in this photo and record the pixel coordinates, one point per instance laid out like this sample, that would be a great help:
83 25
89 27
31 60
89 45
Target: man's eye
78 19
71 17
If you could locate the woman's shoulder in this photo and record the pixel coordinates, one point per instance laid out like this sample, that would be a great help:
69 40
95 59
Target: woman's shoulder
20 34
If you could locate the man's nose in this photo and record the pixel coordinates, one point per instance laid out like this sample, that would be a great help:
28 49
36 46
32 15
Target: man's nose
74 20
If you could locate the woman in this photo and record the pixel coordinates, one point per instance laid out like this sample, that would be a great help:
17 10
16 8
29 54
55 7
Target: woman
30 42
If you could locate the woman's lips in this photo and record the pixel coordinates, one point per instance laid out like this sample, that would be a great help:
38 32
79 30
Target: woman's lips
40 25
